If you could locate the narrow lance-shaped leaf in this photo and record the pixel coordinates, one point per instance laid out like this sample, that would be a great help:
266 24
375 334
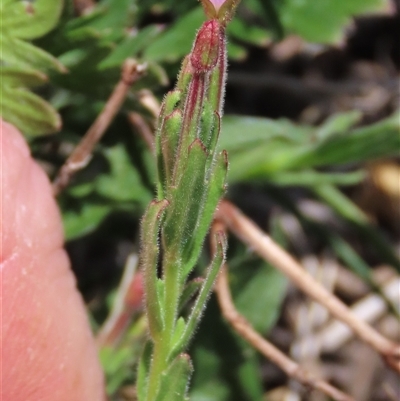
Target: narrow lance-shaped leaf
16 77
169 105
213 138
143 371
185 75
179 330
31 114
208 123
149 259
174 381
22 54
216 188
169 139
186 203
195 315
189 291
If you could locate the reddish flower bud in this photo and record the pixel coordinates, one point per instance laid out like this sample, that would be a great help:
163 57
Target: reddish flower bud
205 52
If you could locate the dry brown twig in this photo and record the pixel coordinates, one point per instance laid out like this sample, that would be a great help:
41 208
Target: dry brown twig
123 307
79 158
245 330
139 123
265 247
369 309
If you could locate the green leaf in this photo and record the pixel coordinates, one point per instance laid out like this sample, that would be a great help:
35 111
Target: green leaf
356 264
189 291
150 231
181 216
178 332
244 132
16 77
313 178
29 19
247 33
31 114
116 364
167 107
249 140
227 369
324 21
116 17
176 42
259 296
374 141
143 371
19 59
108 22
292 147
167 140
269 11
236 52
130 47
83 221
350 211
213 390
212 195
258 291
123 183
223 360
22 54
338 123
199 305
352 260
175 380
341 203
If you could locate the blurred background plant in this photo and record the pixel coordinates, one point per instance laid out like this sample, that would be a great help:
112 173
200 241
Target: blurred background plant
312 132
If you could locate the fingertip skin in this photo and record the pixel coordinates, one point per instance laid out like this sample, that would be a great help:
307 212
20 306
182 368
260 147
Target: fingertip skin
47 349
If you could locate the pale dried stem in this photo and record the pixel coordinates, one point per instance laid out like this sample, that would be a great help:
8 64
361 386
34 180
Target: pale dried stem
245 330
121 311
368 309
265 247
79 158
143 129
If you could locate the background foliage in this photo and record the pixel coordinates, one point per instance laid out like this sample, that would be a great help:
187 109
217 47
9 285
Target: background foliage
58 67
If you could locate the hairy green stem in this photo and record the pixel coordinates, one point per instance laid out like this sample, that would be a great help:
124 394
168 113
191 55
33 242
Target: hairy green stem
191 181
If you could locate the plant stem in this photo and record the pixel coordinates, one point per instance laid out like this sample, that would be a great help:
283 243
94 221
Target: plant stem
162 344
158 365
172 271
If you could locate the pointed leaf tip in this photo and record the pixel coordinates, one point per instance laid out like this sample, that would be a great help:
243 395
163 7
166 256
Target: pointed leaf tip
198 144
222 10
